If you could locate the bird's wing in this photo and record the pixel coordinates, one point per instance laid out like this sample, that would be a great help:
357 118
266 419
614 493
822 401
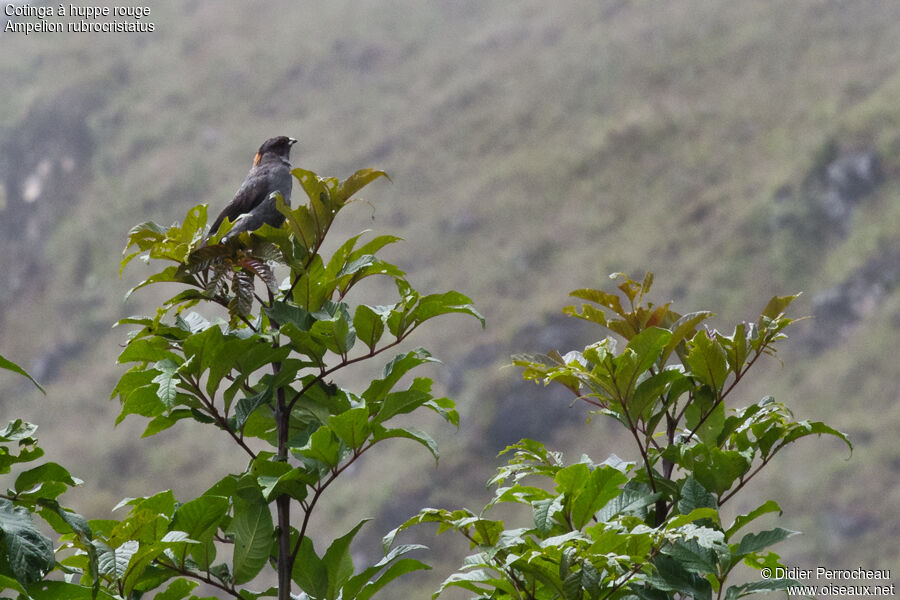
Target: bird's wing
253 191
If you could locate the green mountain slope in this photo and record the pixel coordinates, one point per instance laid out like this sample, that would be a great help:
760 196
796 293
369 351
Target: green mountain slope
534 148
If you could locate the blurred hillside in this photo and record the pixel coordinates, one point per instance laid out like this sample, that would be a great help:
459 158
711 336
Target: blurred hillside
738 150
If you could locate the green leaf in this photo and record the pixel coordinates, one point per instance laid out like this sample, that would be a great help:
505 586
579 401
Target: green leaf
167 382
309 571
338 562
179 589
399 568
740 521
323 446
684 328
49 472
711 412
694 496
763 585
651 389
588 490
28 551
11 366
356 182
147 350
393 372
441 304
369 325
61 590
628 502
804 428
671 576
276 477
246 406
692 556
406 401
756 542
697 514
707 360
351 426
200 518
380 433
142 401
715 469
253 532
610 301
776 306
647 347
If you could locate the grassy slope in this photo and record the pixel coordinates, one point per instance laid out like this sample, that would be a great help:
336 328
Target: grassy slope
534 148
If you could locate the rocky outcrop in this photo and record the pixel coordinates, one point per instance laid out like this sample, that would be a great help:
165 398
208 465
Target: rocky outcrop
838 309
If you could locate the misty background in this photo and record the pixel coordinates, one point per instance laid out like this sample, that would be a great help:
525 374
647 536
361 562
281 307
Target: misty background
736 149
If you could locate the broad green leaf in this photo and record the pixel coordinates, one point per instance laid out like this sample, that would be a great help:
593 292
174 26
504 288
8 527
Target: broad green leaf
351 426
49 472
628 502
671 576
695 515
199 519
711 412
605 299
276 478
707 360
405 401
694 496
647 346
776 306
684 328
337 561
167 382
740 521
324 447
147 350
804 428
410 433
763 585
369 325
61 590
142 401
651 389
284 312
588 490
715 469
179 589
441 304
28 551
692 556
246 406
393 372
756 542
356 182
253 532
397 569
309 571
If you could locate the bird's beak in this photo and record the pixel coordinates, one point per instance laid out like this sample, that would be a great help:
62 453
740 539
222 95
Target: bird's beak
291 141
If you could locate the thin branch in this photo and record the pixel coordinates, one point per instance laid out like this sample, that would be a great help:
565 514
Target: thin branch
309 506
221 421
231 591
326 372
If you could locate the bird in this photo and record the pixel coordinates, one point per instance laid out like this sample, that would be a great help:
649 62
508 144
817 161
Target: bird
253 204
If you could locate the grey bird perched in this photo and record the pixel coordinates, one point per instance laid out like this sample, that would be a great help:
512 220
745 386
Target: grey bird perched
253 205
